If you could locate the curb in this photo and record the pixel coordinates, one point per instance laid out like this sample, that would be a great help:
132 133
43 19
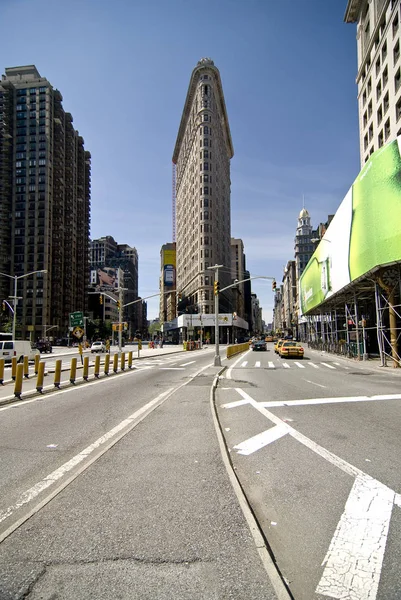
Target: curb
261 543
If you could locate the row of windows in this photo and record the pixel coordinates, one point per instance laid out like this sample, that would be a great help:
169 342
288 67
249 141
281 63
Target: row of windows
206 166
206 190
206 178
32 91
205 154
206 143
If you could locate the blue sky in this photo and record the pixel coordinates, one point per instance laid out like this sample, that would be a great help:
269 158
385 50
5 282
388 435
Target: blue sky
123 67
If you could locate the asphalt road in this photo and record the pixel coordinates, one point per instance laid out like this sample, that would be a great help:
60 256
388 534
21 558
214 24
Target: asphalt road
315 444
117 488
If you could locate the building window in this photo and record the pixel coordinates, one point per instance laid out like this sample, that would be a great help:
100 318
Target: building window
378 66
380 139
398 110
385 77
364 98
369 85
206 154
206 190
397 79
205 117
396 52
205 166
206 142
378 90
379 115
386 103
370 109
206 130
384 51
387 129
370 133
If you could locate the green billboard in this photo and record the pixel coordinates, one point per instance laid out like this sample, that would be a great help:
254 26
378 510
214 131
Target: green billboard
365 232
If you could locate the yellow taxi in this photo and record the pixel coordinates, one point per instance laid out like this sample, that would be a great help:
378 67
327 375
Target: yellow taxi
277 345
290 348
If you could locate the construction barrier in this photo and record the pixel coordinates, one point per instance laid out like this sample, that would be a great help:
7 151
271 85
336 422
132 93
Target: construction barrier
237 349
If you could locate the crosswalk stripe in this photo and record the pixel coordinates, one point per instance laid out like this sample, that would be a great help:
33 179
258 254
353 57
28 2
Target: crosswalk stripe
328 366
299 365
271 365
244 363
313 365
286 365
257 364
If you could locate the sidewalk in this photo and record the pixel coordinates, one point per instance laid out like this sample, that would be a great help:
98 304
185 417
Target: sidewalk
372 364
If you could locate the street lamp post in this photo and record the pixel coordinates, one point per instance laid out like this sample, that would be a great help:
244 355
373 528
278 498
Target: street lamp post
15 297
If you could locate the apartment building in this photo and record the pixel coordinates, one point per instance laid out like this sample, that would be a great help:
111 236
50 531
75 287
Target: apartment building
202 156
379 71
45 175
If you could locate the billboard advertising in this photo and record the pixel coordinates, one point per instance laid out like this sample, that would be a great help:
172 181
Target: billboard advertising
169 268
365 232
105 278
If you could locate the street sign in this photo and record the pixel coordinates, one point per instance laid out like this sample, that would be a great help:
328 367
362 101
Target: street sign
78 332
77 319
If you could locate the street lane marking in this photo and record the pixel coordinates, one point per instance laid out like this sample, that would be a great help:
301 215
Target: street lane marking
188 363
341 400
313 383
328 366
171 369
49 480
261 439
299 365
271 365
313 365
244 363
235 404
286 365
354 559
397 500
257 364
229 370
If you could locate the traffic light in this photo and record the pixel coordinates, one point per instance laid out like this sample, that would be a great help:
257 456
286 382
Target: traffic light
179 296
216 288
4 305
118 304
101 299
274 285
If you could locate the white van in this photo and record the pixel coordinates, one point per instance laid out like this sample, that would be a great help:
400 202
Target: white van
18 348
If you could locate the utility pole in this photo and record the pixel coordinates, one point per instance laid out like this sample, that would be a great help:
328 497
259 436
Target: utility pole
217 360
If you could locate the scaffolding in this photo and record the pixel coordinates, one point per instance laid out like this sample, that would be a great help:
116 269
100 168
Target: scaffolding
361 321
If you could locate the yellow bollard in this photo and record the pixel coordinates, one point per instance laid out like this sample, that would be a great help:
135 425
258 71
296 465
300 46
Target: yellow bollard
115 363
18 381
57 374
26 367
41 375
130 360
2 371
13 367
122 361
97 365
73 370
106 364
86 368
37 361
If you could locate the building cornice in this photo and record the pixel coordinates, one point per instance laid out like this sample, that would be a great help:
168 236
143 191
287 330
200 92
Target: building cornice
203 65
352 11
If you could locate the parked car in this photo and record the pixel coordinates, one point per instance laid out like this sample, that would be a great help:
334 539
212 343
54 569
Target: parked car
44 346
98 347
259 345
289 349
